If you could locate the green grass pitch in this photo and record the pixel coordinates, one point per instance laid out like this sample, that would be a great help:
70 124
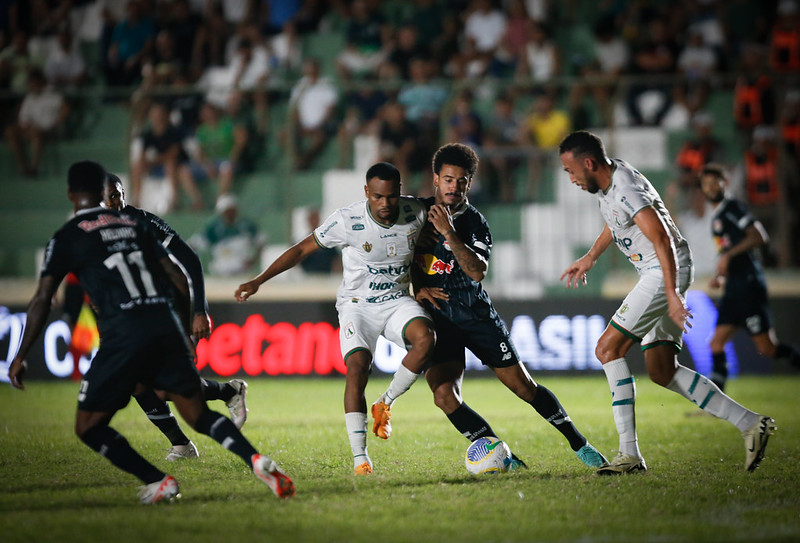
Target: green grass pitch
53 488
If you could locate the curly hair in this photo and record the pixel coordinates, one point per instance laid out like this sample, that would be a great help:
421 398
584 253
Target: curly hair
456 154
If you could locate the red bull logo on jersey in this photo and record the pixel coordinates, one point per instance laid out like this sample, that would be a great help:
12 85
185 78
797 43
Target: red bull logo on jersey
105 220
432 265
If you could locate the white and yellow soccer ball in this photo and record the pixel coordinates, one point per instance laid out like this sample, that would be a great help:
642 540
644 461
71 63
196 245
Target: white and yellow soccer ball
487 455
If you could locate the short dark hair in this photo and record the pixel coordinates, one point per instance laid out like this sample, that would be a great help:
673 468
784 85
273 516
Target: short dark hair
716 170
112 179
583 143
86 176
384 171
456 154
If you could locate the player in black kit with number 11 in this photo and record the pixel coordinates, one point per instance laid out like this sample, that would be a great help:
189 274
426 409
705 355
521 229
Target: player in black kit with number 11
132 281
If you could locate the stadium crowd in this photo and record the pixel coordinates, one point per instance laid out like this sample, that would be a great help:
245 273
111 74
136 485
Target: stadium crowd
200 78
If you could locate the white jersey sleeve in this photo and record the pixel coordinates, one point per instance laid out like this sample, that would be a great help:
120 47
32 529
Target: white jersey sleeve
331 233
629 193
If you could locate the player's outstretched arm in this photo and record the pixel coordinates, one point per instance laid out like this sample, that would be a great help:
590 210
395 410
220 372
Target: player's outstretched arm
37 312
288 260
576 272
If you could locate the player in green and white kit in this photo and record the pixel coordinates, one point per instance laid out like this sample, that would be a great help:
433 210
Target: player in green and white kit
653 313
377 238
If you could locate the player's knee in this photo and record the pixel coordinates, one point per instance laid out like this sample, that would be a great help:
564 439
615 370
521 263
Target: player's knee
605 352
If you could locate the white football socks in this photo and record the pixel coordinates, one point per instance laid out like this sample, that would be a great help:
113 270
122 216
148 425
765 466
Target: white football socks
357 433
623 400
401 382
702 391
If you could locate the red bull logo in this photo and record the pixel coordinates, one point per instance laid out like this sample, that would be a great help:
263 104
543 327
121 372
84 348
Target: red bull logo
432 265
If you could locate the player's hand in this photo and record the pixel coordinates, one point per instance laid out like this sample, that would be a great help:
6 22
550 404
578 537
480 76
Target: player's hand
716 282
576 273
679 313
431 294
16 371
201 326
246 290
439 216
428 237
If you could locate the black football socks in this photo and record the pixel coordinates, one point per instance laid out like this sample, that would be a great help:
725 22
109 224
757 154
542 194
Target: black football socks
159 414
213 390
109 443
469 423
547 405
223 431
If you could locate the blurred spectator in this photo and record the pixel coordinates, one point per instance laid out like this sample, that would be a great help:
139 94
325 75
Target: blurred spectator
368 37
697 151
361 117
276 14
423 99
398 140
184 26
698 63
512 44
131 43
220 145
653 57
790 139
502 150
784 52
744 21
753 99
313 101
163 63
611 58
546 126
159 153
758 179
325 260
465 125
234 241
539 60
16 62
544 129
65 67
407 47
42 112
485 27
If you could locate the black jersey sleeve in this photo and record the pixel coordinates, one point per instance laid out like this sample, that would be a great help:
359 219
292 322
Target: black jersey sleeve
57 258
194 268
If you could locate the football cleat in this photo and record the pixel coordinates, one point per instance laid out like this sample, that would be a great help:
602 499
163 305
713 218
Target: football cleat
364 469
755 441
516 463
164 490
382 414
178 452
591 456
237 406
623 463
268 471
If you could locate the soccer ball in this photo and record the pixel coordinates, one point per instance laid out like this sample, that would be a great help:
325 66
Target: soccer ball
487 455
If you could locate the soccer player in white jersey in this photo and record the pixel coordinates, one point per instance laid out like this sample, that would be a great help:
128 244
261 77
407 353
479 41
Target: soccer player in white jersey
377 238
653 313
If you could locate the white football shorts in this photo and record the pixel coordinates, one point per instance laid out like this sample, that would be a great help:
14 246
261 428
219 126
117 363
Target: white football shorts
360 323
644 313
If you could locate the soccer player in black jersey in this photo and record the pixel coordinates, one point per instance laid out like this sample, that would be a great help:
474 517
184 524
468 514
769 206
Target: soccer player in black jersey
451 262
132 281
233 393
744 301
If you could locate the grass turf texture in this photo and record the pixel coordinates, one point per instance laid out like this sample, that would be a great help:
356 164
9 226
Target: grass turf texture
53 488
